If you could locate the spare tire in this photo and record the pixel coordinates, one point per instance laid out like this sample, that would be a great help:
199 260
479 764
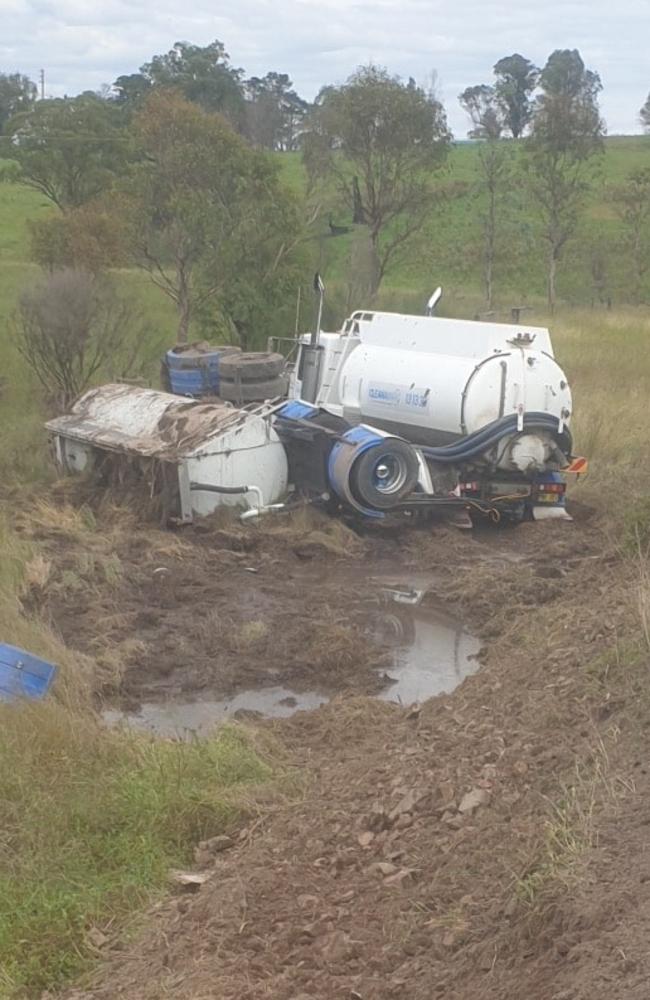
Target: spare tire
384 475
253 392
246 367
199 354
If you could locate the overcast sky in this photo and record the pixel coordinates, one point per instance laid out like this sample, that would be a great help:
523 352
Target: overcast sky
82 44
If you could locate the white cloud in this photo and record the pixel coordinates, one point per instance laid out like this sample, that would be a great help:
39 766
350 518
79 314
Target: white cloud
83 44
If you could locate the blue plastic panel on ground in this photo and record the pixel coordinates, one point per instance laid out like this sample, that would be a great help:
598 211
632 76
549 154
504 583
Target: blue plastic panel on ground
23 675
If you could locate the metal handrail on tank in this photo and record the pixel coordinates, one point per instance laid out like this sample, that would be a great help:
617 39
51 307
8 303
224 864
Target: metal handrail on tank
273 345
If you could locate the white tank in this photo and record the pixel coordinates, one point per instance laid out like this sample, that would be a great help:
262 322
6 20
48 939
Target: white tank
434 380
206 444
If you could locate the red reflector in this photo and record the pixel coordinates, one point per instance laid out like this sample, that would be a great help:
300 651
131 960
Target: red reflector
578 465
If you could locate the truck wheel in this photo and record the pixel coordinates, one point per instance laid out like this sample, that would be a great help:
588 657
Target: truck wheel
253 392
384 475
248 367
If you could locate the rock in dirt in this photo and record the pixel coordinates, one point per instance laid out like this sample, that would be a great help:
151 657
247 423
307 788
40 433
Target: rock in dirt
378 819
399 876
384 868
203 858
472 800
217 844
206 850
366 838
306 899
190 881
447 793
96 939
406 805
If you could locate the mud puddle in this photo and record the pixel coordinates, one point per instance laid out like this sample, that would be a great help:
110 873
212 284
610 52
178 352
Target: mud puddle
185 719
429 654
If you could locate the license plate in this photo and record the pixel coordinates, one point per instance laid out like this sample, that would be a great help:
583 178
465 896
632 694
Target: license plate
548 498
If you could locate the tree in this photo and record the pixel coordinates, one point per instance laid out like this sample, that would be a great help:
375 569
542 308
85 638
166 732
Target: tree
631 201
260 267
71 325
516 79
201 204
644 115
17 94
275 112
598 259
129 91
203 75
495 174
567 133
480 103
391 137
70 149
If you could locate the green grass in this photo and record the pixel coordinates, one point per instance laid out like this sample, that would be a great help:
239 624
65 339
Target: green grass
447 250
92 822
19 205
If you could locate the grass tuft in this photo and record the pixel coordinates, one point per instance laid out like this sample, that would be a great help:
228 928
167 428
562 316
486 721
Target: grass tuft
569 831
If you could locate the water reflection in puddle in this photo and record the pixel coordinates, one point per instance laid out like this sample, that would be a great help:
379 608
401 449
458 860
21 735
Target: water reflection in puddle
198 718
431 655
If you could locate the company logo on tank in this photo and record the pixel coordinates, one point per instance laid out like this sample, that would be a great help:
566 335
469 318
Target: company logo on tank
400 397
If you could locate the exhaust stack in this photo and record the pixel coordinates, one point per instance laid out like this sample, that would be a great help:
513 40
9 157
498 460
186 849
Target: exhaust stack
312 352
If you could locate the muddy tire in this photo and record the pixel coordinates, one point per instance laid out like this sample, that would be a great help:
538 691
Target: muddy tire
384 476
253 392
258 366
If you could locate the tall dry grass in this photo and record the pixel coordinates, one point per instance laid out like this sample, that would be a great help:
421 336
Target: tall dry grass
607 358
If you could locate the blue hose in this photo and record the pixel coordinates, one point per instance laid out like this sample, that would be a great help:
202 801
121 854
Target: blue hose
480 441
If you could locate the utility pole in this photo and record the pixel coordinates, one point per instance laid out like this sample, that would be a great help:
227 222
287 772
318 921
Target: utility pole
41 77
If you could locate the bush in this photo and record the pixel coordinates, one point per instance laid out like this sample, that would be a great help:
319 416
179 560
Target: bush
91 238
72 325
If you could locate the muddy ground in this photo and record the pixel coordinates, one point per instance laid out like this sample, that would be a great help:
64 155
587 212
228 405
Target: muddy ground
219 608
493 842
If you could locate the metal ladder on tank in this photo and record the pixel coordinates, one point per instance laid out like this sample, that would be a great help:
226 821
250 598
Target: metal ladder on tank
330 375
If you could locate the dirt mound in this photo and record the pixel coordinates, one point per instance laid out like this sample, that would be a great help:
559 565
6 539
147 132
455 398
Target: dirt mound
478 846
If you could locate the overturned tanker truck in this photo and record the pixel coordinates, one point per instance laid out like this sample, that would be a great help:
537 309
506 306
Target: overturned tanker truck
392 415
